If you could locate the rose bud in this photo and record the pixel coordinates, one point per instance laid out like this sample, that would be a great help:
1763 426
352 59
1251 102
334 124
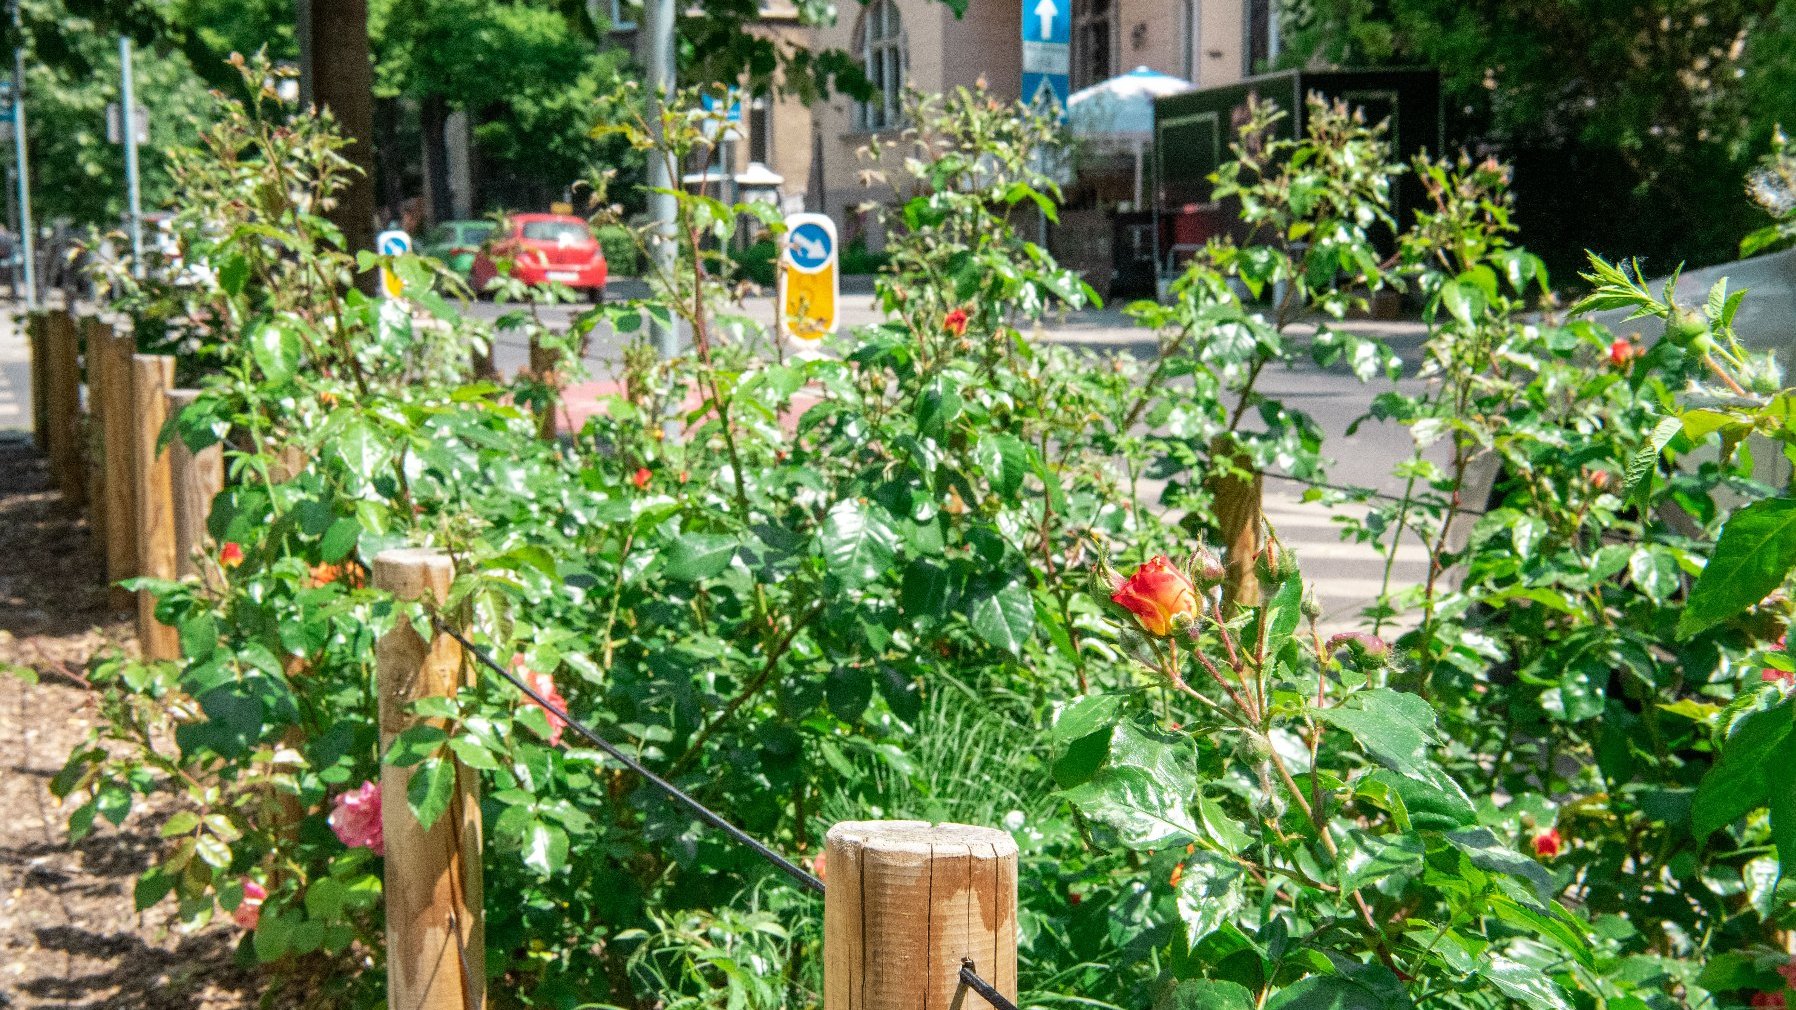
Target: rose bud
1622 352
1599 479
230 555
1364 648
249 910
1207 566
1160 597
1548 843
641 477
955 322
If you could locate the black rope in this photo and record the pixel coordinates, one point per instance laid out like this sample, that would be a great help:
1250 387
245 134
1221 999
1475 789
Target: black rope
704 813
969 977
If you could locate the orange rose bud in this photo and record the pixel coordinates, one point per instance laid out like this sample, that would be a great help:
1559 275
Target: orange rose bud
230 555
955 322
1622 352
1158 595
641 477
1548 843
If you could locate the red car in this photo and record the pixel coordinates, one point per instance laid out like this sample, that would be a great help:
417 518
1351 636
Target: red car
544 248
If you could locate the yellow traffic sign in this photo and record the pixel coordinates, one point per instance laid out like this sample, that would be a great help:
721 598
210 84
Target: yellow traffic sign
809 276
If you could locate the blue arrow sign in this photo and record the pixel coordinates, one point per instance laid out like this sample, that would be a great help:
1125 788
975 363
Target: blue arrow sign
393 243
811 246
1049 21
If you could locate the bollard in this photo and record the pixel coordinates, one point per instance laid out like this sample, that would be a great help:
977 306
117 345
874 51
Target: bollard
436 927
151 376
62 407
906 901
197 478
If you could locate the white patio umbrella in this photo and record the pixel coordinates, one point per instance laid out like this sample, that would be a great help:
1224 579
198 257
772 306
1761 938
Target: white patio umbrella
1118 114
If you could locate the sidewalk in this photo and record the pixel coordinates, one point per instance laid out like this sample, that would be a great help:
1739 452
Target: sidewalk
15 375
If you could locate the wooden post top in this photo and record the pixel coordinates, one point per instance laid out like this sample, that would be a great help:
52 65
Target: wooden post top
923 838
412 573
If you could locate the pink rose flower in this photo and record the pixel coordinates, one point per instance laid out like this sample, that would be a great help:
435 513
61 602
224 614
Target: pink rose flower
355 817
249 910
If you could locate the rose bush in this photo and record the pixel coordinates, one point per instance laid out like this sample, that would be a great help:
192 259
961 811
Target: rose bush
855 585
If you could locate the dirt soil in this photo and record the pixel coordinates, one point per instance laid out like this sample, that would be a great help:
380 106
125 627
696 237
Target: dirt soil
69 934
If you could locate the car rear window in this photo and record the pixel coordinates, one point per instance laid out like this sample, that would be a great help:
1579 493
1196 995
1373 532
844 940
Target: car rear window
557 231
477 232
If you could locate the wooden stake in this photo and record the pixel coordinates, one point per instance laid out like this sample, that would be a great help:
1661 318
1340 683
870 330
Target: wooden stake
436 928
40 382
94 362
1236 487
62 406
906 902
117 430
197 479
151 376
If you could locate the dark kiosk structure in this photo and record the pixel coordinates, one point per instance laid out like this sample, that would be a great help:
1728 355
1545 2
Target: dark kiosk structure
1193 133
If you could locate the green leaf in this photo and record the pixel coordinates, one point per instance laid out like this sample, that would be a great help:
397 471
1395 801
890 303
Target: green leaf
858 541
1528 986
429 792
1211 892
1004 460
925 589
698 556
1085 716
1358 987
1144 812
276 350
340 540
1207 994
1740 778
414 744
1005 618
1487 852
1781 798
1755 553
545 847
180 823
1396 729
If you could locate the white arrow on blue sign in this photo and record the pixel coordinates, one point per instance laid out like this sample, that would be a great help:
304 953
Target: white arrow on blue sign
393 243
1049 21
811 246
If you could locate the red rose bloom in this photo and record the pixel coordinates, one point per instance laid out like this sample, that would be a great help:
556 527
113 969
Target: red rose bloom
1548 843
230 555
1157 594
955 322
641 477
1622 352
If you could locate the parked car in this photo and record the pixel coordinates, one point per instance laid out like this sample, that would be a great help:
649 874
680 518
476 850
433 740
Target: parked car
544 248
456 243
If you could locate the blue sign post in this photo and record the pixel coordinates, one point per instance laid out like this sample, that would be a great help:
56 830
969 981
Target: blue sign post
1047 51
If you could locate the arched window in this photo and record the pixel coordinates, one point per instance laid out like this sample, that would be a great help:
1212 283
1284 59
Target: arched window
1190 38
880 41
1094 42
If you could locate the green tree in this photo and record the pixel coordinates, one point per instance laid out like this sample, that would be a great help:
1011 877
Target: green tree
1632 125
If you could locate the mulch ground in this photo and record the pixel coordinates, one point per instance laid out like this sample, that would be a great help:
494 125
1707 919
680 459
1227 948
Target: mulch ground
70 936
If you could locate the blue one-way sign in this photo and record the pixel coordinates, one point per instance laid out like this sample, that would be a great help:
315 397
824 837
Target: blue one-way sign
1048 21
1047 51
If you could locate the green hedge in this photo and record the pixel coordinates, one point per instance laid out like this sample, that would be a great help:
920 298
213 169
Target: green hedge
756 261
622 256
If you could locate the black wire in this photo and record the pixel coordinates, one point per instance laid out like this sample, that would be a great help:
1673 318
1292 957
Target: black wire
704 813
969 977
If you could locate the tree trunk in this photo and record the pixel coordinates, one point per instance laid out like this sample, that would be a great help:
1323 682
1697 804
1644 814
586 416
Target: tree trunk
342 80
433 117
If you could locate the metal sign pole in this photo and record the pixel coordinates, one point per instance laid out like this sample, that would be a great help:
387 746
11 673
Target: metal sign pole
662 208
128 130
27 247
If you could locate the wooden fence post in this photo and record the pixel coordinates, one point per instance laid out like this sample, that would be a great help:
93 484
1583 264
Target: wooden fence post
436 926
40 382
62 405
94 361
151 377
906 902
114 406
197 477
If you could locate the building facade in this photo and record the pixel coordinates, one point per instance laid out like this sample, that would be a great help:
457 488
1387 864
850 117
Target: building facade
819 151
